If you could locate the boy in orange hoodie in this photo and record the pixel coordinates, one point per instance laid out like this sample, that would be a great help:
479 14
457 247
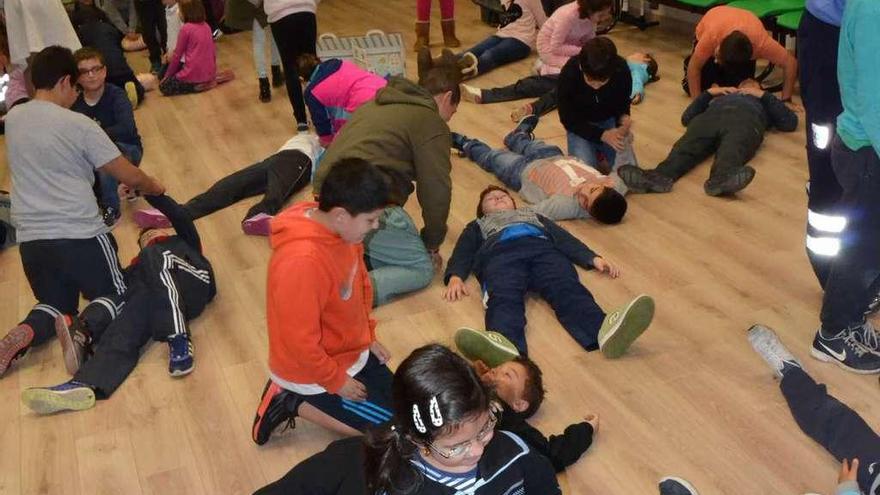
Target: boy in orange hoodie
325 363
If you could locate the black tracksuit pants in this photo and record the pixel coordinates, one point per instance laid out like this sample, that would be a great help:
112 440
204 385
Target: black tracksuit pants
527 87
295 34
820 92
834 426
732 133
278 178
154 29
165 293
59 270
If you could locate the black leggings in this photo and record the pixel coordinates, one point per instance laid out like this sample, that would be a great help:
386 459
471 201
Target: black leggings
155 31
295 34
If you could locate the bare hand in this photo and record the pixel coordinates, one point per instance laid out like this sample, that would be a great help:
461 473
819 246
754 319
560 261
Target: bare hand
382 353
353 390
455 290
794 107
757 92
593 419
719 91
848 471
132 36
436 260
602 265
625 124
614 138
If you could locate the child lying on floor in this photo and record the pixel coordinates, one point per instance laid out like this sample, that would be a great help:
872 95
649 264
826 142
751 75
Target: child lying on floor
513 251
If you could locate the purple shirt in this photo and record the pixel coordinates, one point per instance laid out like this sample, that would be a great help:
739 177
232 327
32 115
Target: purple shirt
197 46
827 11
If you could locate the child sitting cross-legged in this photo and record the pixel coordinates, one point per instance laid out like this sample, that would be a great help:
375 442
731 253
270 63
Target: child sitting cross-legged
559 187
513 251
169 283
518 384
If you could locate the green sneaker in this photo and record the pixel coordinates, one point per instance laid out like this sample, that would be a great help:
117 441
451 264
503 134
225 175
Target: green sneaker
624 325
68 396
491 348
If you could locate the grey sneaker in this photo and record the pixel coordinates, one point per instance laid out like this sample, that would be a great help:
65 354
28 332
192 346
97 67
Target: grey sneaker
868 336
676 486
491 348
729 183
767 344
624 325
644 181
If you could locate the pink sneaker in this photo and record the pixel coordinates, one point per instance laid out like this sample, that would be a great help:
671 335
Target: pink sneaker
151 218
257 224
15 345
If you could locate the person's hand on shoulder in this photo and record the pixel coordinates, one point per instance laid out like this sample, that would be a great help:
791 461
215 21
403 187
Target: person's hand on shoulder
721 91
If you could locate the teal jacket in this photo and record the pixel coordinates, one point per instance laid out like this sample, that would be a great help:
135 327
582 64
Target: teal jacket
858 73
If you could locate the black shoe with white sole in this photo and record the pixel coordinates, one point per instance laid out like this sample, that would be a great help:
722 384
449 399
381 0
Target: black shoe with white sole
846 350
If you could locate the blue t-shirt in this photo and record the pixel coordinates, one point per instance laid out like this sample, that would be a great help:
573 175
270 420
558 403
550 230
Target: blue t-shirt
640 77
828 11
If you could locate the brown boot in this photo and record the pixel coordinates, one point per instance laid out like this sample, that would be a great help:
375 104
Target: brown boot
423 35
449 38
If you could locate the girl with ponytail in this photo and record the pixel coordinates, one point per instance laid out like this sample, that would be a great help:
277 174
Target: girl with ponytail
441 440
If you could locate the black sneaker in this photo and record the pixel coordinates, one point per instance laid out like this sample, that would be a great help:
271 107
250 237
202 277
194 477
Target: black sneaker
75 340
846 350
265 90
277 406
729 183
644 181
277 77
302 127
527 125
676 486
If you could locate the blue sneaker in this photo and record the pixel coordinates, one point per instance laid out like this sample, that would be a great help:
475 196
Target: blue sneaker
180 355
68 396
846 349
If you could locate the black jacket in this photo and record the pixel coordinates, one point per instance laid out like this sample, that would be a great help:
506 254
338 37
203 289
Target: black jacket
506 466
562 450
768 108
581 106
472 250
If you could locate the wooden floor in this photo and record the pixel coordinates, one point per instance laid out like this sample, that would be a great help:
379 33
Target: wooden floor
690 399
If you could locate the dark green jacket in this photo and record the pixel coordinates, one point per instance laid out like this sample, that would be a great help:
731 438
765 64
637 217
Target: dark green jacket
240 14
401 132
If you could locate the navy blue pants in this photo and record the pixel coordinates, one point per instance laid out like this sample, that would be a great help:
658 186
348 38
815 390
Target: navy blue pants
817 69
834 426
532 264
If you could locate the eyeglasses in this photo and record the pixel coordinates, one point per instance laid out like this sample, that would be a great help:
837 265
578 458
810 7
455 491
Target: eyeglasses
91 71
462 449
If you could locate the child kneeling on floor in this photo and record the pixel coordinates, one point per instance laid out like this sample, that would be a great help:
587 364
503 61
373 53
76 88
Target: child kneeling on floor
441 439
193 67
169 283
325 363
519 384
513 251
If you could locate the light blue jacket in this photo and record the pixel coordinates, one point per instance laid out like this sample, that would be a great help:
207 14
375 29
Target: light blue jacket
858 71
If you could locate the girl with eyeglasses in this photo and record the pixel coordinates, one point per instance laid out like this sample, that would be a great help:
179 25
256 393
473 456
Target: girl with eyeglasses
441 440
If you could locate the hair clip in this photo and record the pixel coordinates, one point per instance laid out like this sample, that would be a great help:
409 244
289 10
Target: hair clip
417 420
434 409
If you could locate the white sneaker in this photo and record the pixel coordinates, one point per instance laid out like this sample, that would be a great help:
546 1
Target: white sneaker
471 94
767 344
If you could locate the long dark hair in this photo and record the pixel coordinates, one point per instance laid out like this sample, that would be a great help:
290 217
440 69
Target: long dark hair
431 377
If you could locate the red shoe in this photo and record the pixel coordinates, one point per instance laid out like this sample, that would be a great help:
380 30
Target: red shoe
15 345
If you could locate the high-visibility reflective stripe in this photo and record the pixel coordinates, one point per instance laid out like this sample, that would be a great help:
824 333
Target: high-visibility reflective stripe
826 223
821 135
823 246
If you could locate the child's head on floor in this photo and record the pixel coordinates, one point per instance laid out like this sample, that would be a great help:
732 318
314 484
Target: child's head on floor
602 201
353 196
494 199
519 383
92 69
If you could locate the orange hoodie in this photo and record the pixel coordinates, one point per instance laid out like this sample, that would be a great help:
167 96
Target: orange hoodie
318 301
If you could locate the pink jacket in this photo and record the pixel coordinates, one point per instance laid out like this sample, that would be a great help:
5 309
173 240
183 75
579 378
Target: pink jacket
196 44
336 89
562 37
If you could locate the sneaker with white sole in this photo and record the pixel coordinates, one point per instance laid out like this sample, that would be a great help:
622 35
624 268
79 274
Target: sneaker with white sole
76 343
671 485
471 94
767 344
277 406
868 336
257 224
624 325
181 360
846 350
68 396
491 348
151 218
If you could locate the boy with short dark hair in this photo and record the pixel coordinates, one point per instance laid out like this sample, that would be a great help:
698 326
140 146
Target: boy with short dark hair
518 383
325 363
559 187
66 249
729 122
169 283
513 251
109 107
594 102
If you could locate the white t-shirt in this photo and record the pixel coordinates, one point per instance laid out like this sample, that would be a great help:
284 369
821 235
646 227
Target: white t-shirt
53 154
35 24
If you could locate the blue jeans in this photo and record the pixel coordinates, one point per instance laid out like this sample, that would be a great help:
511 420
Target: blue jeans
108 194
588 150
495 51
509 165
397 257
